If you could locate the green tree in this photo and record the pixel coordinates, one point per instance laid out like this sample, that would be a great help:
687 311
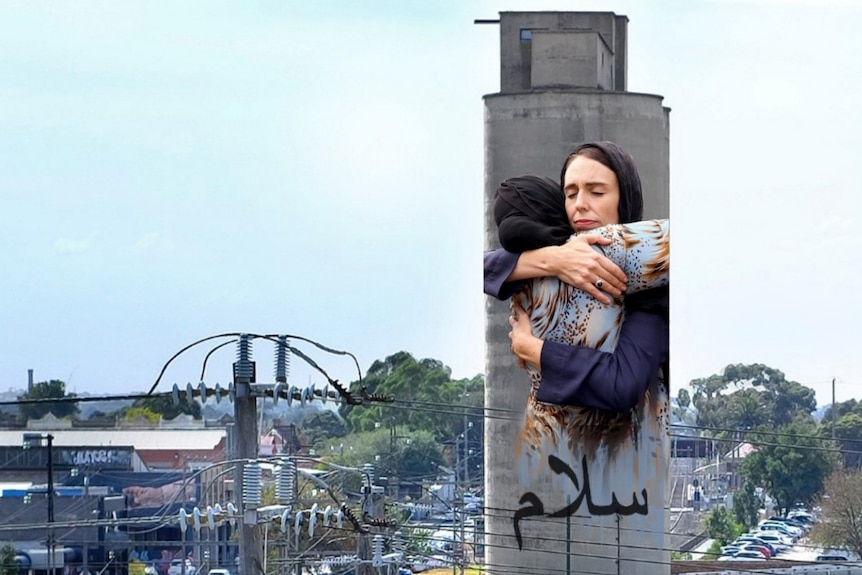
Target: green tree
746 506
683 399
8 565
848 433
148 414
707 398
792 465
746 396
746 409
53 389
411 455
841 523
721 527
426 387
321 426
164 405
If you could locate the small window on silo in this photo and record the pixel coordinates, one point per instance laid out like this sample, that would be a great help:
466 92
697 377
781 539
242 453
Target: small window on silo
526 35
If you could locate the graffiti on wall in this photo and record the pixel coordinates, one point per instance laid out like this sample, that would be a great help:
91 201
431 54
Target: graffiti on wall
96 457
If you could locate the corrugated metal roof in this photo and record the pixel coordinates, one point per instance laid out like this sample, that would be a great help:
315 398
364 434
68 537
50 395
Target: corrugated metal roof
138 438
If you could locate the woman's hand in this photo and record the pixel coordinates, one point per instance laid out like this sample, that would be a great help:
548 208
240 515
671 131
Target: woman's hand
578 264
526 347
575 263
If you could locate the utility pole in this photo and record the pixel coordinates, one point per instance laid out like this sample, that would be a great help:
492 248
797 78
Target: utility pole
50 439
834 412
372 508
29 439
246 439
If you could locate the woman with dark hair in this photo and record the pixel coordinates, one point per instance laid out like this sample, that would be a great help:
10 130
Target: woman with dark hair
532 213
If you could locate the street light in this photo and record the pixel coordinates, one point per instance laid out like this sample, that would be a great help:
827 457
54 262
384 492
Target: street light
31 439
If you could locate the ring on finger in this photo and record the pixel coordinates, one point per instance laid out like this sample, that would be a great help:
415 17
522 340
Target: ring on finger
599 283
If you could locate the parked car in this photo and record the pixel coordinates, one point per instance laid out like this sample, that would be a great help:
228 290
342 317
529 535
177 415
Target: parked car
831 556
176 567
743 556
775 539
791 522
730 549
785 530
759 548
803 516
218 571
742 539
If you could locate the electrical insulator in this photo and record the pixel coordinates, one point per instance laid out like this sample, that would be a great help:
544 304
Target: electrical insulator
369 475
397 542
312 520
285 487
307 395
285 521
282 359
377 548
244 367
196 519
184 521
251 485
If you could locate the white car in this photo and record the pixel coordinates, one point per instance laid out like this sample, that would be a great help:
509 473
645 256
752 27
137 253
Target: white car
778 530
176 567
782 527
778 541
743 556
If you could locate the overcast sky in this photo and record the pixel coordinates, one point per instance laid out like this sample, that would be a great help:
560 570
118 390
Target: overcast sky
174 170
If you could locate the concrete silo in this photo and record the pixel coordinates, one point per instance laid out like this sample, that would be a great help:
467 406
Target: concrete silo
563 83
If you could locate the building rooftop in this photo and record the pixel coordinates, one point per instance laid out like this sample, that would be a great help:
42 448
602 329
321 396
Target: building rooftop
155 438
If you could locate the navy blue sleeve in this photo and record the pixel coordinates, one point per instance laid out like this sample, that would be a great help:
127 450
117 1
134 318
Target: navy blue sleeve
575 375
498 266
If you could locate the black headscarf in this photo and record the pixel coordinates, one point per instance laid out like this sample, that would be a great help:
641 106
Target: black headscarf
631 207
530 212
